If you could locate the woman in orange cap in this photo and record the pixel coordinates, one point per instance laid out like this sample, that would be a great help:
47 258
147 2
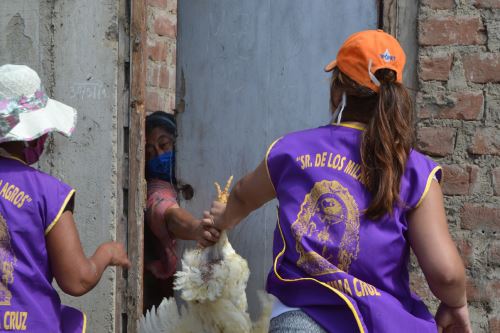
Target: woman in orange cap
354 197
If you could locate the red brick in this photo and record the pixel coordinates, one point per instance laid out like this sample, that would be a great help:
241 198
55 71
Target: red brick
480 217
173 57
153 102
163 26
452 30
486 141
472 291
494 325
153 76
158 52
158 3
164 77
439 4
494 253
465 250
436 141
459 180
482 290
482 67
419 286
496 180
468 106
487 4
435 68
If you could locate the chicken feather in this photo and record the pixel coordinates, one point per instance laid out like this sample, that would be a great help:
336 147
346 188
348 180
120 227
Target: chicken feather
212 282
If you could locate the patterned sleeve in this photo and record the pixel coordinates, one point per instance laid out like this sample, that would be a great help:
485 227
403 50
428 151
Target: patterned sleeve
419 173
56 202
160 197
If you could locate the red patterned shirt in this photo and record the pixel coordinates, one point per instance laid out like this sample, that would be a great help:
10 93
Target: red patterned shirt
161 196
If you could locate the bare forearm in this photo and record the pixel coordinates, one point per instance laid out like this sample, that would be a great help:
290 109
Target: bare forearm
251 192
238 207
74 272
87 274
181 223
450 289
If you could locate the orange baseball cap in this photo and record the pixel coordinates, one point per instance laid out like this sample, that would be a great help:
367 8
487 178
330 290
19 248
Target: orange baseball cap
364 52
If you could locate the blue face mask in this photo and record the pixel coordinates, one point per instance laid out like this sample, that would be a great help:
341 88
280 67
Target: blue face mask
161 167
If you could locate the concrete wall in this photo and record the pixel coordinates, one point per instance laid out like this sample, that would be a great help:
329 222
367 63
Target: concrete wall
74 46
22 33
458 124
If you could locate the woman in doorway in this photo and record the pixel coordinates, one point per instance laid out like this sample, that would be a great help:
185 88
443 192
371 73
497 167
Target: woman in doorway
354 196
38 237
165 220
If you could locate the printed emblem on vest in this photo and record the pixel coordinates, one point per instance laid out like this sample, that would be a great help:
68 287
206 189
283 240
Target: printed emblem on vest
329 216
7 263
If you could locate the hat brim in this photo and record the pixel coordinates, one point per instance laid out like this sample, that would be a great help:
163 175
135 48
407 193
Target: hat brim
331 66
54 117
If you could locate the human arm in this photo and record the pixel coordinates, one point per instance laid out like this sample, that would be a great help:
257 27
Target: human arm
168 221
74 272
439 259
183 225
249 193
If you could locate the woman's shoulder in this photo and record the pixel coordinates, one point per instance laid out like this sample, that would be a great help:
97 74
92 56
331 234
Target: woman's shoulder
160 195
46 178
328 129
160 186
310 131
302 134
30 174
419 173
419 160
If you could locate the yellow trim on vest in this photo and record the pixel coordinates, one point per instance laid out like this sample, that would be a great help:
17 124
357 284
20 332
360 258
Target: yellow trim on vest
61 210
84 329
350 125
338 293
6 154
428 185
267 165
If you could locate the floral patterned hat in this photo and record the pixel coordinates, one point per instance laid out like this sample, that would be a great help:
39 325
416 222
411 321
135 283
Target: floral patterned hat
26 112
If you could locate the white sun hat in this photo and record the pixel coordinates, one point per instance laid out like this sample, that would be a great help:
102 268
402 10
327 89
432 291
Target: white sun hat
26 112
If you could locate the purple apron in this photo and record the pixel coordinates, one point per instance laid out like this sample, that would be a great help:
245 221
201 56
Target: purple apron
347 272
31 203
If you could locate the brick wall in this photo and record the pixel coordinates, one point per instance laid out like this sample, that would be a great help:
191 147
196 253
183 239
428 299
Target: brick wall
162 34
458 110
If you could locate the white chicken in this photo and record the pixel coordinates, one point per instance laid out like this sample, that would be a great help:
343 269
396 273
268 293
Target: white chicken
212 282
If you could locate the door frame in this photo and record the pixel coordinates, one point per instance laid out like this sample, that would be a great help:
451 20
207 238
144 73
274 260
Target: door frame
130 231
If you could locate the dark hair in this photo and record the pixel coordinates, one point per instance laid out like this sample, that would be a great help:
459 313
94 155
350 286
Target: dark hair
167 122
163 120
388 138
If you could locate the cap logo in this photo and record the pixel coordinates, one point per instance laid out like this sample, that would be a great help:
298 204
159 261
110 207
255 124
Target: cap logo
387 56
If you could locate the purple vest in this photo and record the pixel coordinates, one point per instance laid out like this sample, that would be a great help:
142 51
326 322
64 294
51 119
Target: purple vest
347 272
31 203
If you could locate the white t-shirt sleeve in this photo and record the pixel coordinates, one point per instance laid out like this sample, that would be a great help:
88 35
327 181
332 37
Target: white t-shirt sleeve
280 308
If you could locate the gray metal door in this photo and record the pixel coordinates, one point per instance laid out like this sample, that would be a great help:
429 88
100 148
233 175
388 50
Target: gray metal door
248 72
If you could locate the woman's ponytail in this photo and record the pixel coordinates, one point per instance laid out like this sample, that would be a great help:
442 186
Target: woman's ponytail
386 144
185 190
